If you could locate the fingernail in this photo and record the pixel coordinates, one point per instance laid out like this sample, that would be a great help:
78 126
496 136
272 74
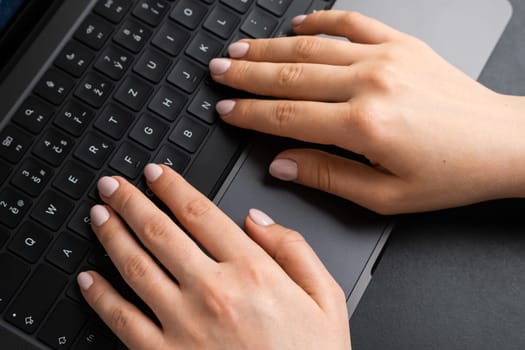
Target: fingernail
84 280
284 169
220 66
225 106
260 218
99 215
152 172
238 49
107 186
297 20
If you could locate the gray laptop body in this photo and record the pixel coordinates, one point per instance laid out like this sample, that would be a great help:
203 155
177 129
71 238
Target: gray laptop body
349 239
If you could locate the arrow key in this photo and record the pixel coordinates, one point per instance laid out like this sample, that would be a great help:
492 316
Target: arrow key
67 252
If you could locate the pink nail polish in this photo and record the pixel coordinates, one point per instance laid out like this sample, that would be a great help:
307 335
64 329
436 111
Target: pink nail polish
152 172
238 49
225 106
99 215
107 186
219 66
260 218
284 169
297 20
84 280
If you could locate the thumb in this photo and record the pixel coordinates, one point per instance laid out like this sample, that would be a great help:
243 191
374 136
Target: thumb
297 258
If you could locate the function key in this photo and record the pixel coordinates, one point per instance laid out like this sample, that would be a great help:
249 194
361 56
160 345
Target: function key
94 32
259 24
189 13
186 75
30 241
52 210
33 114
14 143
94 150
129 160
13 271
32 177
132 35
152 65
74 58
67 252
133 93
203 48
277 7
113 62
171 38
113 10
151 11
149 131
239 5
173 157
189 134
114 121
168 103
74 179
74 117
222 22
53 147
54 86
94 89
13 206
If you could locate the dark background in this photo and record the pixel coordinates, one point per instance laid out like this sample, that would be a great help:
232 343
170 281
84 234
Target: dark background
455 279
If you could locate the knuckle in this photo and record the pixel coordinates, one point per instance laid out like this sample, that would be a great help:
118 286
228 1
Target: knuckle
382 77
195 209
119 320
387 201
284 113
360 117
219 302
240 73
289 74
154 229
288 238
135 268
350 19
306 48
323 176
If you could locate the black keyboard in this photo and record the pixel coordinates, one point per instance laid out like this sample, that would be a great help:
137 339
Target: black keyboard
130 87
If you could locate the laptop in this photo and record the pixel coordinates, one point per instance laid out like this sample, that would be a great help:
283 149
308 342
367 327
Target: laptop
99 87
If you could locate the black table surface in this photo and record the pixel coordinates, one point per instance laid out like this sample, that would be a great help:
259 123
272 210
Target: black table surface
455 279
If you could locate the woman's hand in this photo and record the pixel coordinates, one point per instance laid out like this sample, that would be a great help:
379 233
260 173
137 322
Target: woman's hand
435 138
265 290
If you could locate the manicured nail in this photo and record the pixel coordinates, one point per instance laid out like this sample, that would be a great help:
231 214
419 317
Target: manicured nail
238 49
297 20
220 66
99 215
260 218
107 186
225 106
152 172
84 280
284 169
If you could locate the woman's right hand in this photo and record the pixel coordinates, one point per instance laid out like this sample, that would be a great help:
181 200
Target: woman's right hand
435 137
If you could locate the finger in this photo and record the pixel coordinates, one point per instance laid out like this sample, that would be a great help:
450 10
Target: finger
174 249
296 257
306 49
137 268
217 233
356 27
125 320
343 177
286 80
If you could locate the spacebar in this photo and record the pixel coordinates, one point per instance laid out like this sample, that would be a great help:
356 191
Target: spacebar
215 158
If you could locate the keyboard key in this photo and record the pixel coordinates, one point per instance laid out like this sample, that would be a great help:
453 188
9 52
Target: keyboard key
129 160
94 89
239 5
13 271
113 62
81 221
203 48
168 103
222 22
74 117
102 262
173 157
186 75
259 24
188 13
132 35
74 58
171 38
30 241
113 10
277 7
38 295
67 252
149 131
92 338
34 114
152 65
53 147
151 11
32 176
54 86
74 179
114 121
13 207
94 150
203 105
189 134
14 143
63 325
133 93
52 210
94 32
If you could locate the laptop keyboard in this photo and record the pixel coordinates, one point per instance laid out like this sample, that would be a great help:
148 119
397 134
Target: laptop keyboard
130 87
